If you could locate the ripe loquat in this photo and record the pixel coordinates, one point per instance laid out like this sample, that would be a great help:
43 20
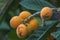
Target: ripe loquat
46 13
21 30
24 14
34 24
15 21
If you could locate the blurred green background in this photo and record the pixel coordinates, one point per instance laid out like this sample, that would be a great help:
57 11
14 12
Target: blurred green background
10 8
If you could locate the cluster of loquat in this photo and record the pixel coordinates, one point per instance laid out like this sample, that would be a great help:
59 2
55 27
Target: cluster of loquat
25 28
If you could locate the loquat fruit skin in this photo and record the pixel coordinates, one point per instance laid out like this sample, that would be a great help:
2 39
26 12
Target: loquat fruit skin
24 14
29 28
21 31
15 21
46 13
33 24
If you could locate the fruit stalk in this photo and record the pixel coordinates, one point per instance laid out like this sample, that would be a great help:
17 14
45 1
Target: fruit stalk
43 22
31 17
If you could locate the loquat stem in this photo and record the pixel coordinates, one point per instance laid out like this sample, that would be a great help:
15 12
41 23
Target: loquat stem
43 22
58 9
30 17
36 14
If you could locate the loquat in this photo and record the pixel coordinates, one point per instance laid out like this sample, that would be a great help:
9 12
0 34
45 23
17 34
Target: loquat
21 30
34 24
15 21
46 13
24 14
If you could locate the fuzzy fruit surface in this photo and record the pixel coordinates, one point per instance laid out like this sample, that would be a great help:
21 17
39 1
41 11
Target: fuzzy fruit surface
15 21
21 30
46 13
33 24
24 14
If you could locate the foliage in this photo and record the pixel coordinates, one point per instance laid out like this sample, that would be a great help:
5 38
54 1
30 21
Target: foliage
15 8
35 5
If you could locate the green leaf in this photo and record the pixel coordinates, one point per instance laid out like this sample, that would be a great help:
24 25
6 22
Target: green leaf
41 33
36 5
12 35
58 25
3 9
14 12
4 26
39 20
56 34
